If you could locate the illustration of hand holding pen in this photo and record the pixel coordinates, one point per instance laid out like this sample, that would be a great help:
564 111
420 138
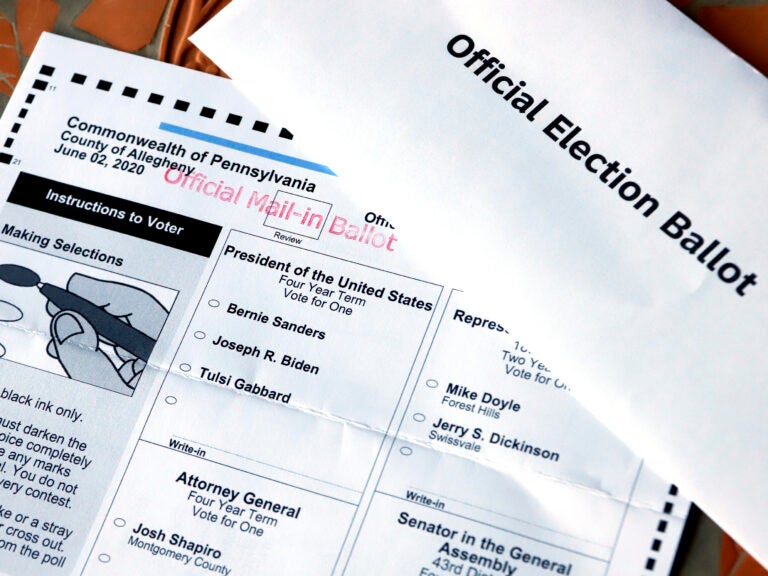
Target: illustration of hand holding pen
91 313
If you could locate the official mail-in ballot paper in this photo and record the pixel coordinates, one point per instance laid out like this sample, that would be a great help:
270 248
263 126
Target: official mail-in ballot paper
215 361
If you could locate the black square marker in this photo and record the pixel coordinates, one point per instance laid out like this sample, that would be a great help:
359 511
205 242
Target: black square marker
47 70
673 490
130 92
39 85
650 564
662 527
23 113
182 105
104 85
78 78
656 546
668 507
8 142
207 112
285 133
30 98
234 119
5 158
15 128
155 98
260 126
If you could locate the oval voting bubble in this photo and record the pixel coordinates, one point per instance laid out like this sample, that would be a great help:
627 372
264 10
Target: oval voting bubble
18 275
10 312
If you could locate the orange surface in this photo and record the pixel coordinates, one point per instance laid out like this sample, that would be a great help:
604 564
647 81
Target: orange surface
729 554
33 17
9 62
125 24
734 561
747 566
744 29
9 58
184 17
7 36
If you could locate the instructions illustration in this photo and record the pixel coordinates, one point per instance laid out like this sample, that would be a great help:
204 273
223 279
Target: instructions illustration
101 328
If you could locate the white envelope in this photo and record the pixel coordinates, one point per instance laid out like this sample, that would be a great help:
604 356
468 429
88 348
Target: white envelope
649 288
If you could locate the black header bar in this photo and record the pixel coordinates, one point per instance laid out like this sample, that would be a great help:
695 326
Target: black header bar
118 214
